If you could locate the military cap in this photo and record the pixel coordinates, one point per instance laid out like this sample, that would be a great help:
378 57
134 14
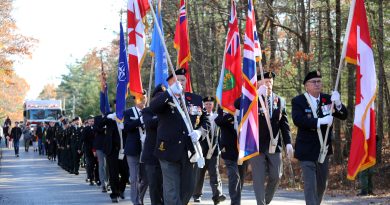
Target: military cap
143 93
90 117
180 71
159 88
311 75
269 74
208 99
76 118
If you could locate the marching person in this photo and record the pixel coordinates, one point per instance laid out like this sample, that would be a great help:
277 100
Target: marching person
98 150
152 165
174 147
27 135
268 164
312 113
134 127
88 137
118 169
16 133
229 153
75 144
211 152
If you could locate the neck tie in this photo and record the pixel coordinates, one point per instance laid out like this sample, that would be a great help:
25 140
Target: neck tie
318 108
269 105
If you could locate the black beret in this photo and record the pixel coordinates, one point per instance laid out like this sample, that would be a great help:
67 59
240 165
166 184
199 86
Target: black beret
266 75
208 99
91 117
180 71
311 75
159 88
143 93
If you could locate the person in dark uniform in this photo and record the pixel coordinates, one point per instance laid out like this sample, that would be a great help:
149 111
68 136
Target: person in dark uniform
51 141
88 137
134 128
229 153
39 132
211 152
175 148
75 145
152 165
312 113
268 164
118 169
98 148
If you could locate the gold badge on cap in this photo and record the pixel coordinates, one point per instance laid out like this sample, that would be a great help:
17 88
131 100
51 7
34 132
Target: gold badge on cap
161 147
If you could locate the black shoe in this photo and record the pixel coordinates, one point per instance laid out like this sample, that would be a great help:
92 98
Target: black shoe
77 173
98 183
197 199
219 199
122 195
371 193
104 190
362 193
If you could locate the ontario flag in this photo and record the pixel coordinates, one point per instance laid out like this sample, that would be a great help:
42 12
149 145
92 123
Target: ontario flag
136 11
182 43
229 86
357 50
248 127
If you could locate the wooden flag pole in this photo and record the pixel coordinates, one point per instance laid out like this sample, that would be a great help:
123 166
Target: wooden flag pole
150 80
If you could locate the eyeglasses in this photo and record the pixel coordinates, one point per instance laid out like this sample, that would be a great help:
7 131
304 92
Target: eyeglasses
315 81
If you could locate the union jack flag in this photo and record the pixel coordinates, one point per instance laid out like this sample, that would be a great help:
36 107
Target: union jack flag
248 127
229 86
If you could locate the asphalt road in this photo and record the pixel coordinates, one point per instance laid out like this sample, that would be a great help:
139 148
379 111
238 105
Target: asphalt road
32 179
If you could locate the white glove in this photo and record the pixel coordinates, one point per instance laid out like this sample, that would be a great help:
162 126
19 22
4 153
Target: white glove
325 120
120 125
290 151
195 135
176 88
111 116
336 98
262 90
141 119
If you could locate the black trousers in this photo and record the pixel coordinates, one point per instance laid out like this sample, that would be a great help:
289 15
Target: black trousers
118 174
154 175
92 166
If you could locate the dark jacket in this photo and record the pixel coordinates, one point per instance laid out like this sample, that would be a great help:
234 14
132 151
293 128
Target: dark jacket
307 145
151 123
279 124
87 139
172 135
39 132
111 141
16 133
100 133
204 142
132 121
228 141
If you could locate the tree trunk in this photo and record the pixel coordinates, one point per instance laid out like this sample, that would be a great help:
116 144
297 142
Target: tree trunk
350 107
273 39
381 74
319 43
337 124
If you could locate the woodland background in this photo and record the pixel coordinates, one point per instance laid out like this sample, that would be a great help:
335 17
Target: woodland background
296 36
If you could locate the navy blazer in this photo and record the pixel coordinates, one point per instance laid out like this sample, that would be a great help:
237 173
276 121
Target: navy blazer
228 141
100 133
307 145
151 123
111 144
279 124
132 122
172 135
204 143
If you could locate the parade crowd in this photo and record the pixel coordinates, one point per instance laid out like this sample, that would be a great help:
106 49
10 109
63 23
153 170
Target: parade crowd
155 147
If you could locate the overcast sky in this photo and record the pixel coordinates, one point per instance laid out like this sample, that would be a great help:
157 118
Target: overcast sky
66 31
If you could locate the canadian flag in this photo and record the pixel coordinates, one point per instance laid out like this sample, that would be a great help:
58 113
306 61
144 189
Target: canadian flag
357 50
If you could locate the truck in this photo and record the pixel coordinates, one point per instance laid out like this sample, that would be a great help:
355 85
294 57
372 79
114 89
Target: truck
37 111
